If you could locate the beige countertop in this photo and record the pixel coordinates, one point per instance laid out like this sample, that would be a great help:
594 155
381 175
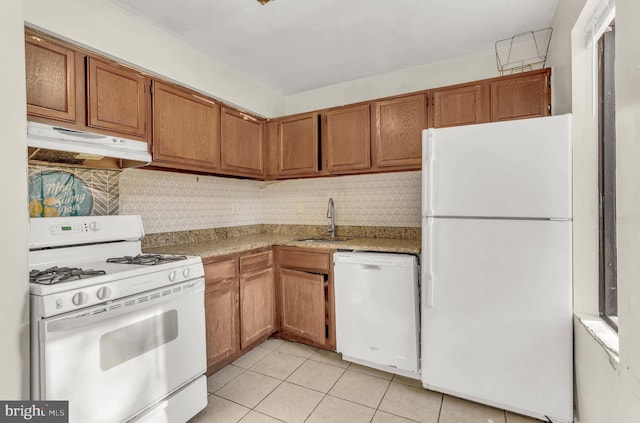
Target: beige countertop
218 247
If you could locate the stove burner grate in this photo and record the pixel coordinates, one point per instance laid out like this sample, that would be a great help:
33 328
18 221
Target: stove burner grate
146 259
57 274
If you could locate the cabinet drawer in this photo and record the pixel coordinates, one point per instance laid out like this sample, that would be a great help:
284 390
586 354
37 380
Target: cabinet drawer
220 270
314 262
257 261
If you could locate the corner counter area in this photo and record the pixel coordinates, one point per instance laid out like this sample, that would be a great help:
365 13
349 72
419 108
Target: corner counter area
266 279
213 243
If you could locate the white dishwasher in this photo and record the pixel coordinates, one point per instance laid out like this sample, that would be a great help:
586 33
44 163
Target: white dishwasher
377 310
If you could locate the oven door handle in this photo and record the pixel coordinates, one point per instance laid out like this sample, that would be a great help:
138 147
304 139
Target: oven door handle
107 311
97 316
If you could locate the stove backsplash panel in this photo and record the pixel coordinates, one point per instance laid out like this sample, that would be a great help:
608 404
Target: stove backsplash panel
68 191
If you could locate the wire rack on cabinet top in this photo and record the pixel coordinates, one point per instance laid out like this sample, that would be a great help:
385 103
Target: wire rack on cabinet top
523 52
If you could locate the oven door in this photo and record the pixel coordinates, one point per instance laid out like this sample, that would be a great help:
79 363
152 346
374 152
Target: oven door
112 361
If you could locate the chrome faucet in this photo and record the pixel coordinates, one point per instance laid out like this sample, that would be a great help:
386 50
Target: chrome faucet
331 227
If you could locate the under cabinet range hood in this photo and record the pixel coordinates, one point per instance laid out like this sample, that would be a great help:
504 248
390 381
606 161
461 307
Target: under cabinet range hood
49 144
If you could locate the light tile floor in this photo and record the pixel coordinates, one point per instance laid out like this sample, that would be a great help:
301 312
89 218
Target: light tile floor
281 381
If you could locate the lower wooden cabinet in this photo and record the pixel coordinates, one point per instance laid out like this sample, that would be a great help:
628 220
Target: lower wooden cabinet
257 297
303 304
221 307
239 305
221 310
306 296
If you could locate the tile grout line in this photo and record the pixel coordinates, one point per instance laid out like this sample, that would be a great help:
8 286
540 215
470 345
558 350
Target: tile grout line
440 409
382 399
326 394
280 384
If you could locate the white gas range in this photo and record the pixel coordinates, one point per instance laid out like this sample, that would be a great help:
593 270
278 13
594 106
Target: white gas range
119 334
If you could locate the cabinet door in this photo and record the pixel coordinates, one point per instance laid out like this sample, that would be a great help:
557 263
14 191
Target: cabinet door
51 79
221 310
398 131
257 306
522 97
117 98
303 304
186 129
348 142
298 145
460 105
241 145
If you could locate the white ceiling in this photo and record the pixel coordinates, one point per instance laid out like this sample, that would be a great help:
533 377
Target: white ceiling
298 45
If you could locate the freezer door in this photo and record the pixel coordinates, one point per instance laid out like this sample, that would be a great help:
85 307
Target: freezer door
496 313
519 168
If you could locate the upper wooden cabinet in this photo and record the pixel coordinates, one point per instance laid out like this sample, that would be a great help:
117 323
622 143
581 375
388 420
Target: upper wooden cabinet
461 105
347 139
397 131
84 92
117 98
69 86
241 146
521 96
51 79
186 129
298 145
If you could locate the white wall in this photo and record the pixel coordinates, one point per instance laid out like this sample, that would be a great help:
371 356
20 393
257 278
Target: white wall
14 320
559 57
447 72
628 198
110 30
606 391
585 162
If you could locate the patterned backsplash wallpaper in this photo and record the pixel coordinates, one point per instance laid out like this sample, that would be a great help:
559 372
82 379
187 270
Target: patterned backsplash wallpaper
384 199
68 191
171 201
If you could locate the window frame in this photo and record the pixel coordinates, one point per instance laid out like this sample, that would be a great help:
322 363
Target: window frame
608 289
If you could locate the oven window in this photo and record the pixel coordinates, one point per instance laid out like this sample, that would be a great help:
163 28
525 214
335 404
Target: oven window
129 342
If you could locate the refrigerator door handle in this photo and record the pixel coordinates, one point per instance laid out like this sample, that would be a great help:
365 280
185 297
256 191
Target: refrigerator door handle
429 288
427 173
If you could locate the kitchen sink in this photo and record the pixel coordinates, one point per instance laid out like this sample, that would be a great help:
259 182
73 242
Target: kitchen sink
323 239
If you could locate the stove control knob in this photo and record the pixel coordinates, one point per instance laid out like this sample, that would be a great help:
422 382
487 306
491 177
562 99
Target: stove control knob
172 275
94 226
80 298
185 272
104 293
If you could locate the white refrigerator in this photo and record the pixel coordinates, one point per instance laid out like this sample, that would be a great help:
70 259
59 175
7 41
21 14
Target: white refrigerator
496 300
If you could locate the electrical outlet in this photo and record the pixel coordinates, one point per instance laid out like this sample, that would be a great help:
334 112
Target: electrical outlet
300 207
234 207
